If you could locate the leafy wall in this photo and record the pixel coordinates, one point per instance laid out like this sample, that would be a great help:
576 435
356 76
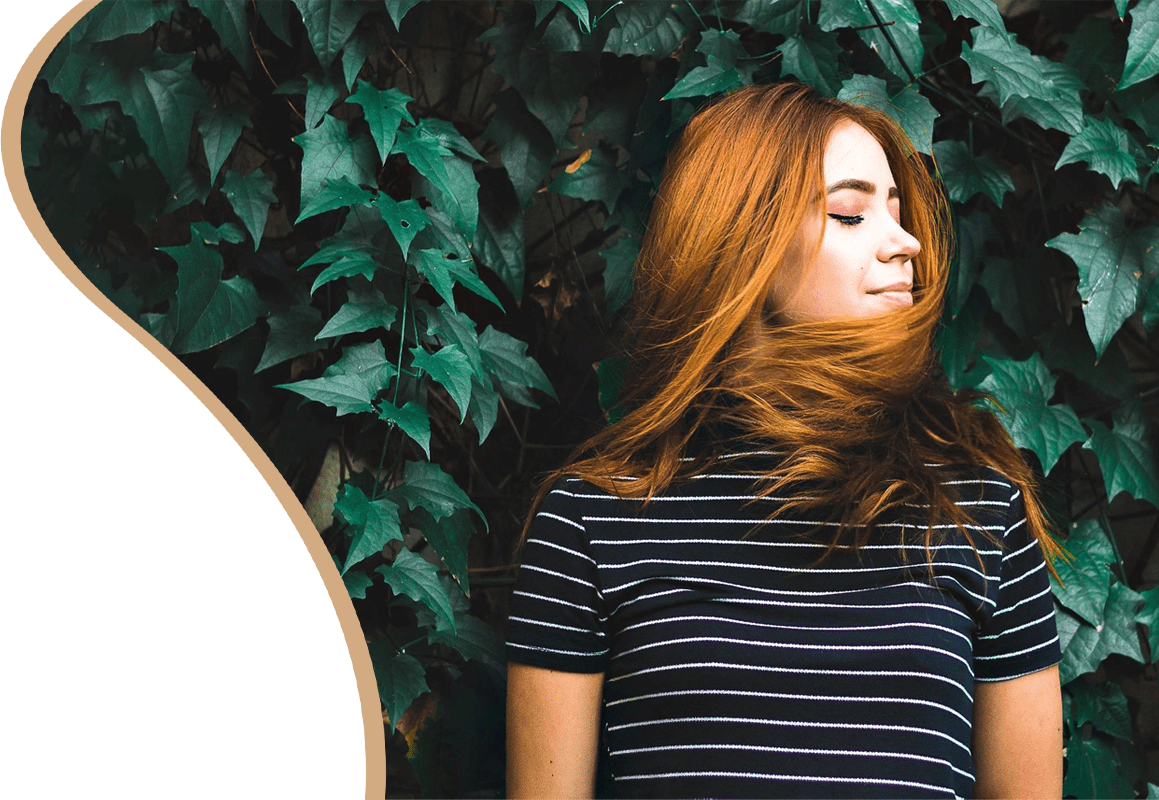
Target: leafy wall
395 237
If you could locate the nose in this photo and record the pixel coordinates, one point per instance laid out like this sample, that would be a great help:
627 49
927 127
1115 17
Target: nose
898 245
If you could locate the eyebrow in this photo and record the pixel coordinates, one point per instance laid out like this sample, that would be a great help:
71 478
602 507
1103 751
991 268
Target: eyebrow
860 186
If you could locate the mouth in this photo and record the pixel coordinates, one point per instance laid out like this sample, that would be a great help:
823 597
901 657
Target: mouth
897 294
895 288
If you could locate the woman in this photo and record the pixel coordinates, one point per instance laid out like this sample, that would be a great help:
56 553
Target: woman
799 565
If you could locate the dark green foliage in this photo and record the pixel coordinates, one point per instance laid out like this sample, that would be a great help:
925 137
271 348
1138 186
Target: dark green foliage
351 218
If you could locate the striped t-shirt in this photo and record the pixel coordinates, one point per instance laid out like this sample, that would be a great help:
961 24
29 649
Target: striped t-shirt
735 666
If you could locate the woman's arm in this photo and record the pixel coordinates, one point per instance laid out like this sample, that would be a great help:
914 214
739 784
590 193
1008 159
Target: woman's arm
553 731
1018 736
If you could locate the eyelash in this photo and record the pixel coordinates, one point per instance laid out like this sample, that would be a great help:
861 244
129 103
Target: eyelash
848 220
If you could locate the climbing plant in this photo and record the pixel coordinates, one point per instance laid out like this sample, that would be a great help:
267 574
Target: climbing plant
396 237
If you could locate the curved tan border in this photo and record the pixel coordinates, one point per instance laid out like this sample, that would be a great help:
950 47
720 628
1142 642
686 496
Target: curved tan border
351 629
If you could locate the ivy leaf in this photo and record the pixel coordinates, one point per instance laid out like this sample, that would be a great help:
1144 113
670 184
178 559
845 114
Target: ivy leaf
525 145
453 327
230 24
425 152
1060 108
1093 770
450 368
1086 582
277 18
384 111
1125 454
645 29
1150 617
323 88
902 18
506 358
444 271
356 583
457 194
351 384
474 640
119 18
997 58
580 9
206 310
400 677
449 537
984 11
363 310
354 54
425 485
337 193
594 178
404 219
210 234
966 176
1103 145
398 9
329 24
291 335
220 129
958 340
1090 645
1142 44
1023 389
162 99
1110 262
711 79
499 242
329 153
374 523
1104 705
449 137
251 197
619 272
484 409
1068 348
357 263
908 107
812 57
771 16
413 420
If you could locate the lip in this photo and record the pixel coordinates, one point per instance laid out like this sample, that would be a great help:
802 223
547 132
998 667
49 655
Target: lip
900 286
898 298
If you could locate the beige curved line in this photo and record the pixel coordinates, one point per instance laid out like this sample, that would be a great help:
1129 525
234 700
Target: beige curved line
18 186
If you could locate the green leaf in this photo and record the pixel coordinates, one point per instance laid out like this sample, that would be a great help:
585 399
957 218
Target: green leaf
291 335
705 81
32 136
1023 389
984 11
337 193
1110 262
1104 705
398 9
191 187
417 578
251 197
966 176
610 377
449 137
645 29
229 21
220 129
329 153
902 19
351 384
384 111
1068 348
450 367
506 358
373 523
1125 454
111 20
444 271
997 58
1059 108
580 9
1086 583
456 328
329 24
425 485
908 107
449 537
812 57
363 310
525 146
357 263
597 178
1142 44
323 89
209 234
162 99
404 219
1103 145
474 640
207 310
1090 645
1093 770
413 420
1150 617
957 342
356 584
400 679
355 53
484 410
619 272
457 194
499 242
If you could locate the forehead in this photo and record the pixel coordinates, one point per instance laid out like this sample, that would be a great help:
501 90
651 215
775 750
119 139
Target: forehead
852 152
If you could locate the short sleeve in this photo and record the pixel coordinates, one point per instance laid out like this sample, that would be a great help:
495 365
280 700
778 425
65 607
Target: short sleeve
1019 636
556 617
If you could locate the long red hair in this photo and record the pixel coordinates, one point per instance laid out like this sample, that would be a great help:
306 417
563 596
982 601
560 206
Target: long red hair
857 408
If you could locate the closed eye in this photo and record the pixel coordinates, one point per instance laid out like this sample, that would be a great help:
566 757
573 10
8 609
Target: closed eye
848 220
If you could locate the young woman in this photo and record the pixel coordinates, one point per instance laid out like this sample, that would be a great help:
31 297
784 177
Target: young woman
799 565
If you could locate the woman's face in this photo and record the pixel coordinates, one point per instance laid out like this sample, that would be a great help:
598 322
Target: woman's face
863 267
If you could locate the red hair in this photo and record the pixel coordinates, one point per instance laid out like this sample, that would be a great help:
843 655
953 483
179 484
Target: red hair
858 408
